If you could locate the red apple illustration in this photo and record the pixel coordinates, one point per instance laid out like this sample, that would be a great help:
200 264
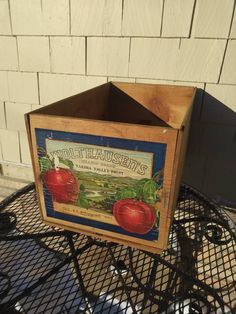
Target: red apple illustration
134 216
62 184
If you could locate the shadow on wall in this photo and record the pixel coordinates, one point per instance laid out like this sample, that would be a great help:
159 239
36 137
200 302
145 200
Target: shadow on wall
210 164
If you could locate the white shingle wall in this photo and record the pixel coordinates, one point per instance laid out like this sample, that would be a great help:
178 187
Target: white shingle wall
40 17
54 87
179 12
142 18
213 18
68 55
51 49
96 18
5 24
108 56
33 53
8 53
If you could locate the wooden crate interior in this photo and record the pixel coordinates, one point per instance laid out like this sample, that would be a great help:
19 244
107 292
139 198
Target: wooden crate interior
123 108
145 104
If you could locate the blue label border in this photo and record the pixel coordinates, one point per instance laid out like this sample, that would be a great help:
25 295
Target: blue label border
157 149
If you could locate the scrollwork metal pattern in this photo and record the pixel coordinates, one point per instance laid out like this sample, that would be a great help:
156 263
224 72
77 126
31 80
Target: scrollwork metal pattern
48 270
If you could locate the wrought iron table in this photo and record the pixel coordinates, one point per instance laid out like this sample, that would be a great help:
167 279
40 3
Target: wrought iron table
49 270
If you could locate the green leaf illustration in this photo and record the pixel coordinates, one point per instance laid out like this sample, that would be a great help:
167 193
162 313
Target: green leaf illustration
149 188
82 187
108 203
149 192
126 193
45 164
67 162
82 200
139 187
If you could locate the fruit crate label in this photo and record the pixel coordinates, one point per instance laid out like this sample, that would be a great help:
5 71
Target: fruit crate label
102 182
103 160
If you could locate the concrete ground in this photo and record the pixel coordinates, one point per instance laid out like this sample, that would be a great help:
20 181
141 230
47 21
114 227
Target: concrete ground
10 185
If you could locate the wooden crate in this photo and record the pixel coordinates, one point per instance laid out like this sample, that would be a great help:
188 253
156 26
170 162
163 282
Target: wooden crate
107 162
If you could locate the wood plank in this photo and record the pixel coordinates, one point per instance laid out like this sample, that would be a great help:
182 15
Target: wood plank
180 153
103 128
135 113
91 104
116 130
169 103
114 110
